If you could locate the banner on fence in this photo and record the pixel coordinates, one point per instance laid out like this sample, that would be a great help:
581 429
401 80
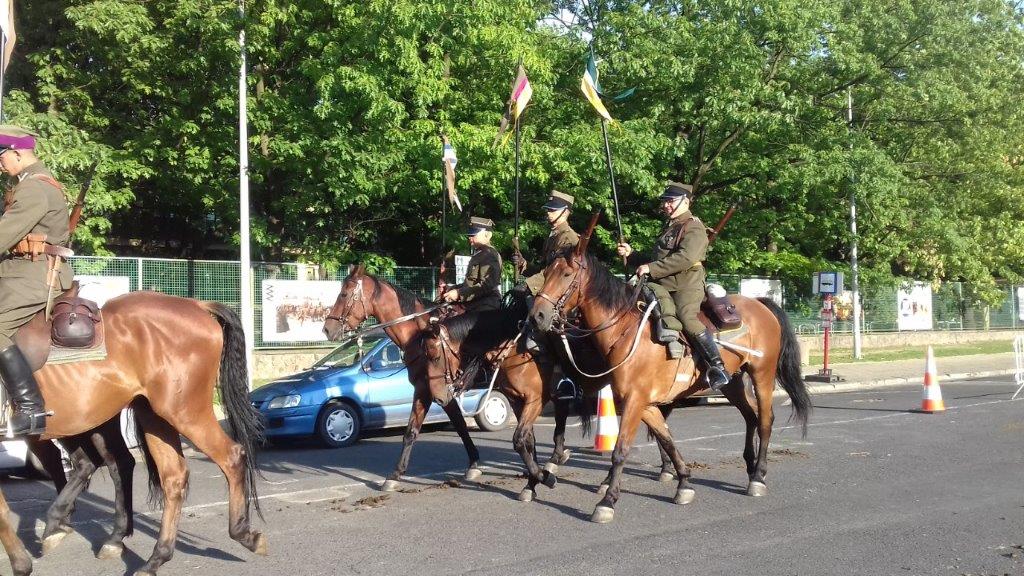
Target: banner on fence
1020 302
762 288
914 310
294 310
99 289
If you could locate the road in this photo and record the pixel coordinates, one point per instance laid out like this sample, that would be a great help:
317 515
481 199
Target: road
875 489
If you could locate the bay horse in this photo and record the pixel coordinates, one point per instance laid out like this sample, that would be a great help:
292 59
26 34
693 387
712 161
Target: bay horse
363 296
173 353
644 378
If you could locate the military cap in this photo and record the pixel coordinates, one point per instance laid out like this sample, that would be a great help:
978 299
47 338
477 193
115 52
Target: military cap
16 137
675 190
478 224
557 201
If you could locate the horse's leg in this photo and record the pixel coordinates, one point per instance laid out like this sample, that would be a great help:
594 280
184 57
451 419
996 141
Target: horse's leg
454 412
764 384
57 524
110 444
420 403
523 442
668 468
165 448
205 433
737 395
21 562
655 420
631 413
560 455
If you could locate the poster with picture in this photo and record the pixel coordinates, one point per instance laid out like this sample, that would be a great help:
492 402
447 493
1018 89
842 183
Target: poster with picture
99 289
294 310
914 307
762 288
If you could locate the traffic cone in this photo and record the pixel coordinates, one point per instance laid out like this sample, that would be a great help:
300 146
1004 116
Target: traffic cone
607 421
932 396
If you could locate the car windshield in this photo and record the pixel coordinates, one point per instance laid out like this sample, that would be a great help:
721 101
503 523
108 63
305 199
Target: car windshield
347 354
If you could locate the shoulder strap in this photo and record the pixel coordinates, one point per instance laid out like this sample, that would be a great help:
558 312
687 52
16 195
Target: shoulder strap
49 180
682 232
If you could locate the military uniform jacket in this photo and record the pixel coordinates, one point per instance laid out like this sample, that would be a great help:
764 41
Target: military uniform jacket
561 237
483 276
677 261
38 207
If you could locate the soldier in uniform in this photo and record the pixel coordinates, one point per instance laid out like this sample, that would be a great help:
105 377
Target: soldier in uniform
677 267
562 236
35 215
479 291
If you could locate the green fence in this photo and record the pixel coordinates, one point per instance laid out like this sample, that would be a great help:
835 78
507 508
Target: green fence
952 306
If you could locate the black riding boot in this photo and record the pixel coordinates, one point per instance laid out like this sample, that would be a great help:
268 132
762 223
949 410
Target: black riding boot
29 417
717 378
661 333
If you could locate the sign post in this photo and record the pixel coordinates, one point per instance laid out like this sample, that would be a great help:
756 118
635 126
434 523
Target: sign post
828 284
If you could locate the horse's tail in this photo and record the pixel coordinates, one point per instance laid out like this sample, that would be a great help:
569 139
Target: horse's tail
788 370
156 490
245 423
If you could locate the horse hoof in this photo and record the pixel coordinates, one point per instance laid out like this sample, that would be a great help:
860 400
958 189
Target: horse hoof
144 573
566 454
473 474
550 480
551 468
602 489
110 551
684 496
526 495
666 477
52 541
22 567
603 515
389 486
260 544
757 489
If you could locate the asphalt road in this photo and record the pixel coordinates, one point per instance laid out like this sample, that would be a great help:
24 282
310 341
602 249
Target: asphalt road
875 489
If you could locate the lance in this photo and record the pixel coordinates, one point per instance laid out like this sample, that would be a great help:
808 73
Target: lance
611 178
444 221
515 238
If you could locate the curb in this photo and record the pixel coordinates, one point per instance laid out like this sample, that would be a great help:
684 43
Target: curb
892 382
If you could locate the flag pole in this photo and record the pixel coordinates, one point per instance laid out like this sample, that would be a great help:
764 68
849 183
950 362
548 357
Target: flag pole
3 70
611 178
444 221
515 239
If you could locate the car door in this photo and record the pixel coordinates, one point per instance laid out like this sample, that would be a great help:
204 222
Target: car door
389 393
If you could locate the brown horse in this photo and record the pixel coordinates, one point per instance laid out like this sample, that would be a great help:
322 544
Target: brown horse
171 353
644 378
363 296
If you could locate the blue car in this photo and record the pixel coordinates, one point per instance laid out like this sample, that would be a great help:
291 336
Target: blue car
360 385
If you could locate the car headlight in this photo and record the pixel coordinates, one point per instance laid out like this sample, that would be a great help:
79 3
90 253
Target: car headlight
290 401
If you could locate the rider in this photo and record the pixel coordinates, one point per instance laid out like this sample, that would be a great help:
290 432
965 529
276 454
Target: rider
35 214
562 236
479 291
677 268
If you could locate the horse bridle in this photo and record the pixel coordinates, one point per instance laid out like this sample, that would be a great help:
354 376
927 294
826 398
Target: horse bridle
560 319
357 296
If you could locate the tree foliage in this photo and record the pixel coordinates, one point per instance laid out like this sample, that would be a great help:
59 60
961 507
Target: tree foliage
746 100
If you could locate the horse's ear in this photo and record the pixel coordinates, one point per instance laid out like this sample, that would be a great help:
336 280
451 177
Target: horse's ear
360 270
581 248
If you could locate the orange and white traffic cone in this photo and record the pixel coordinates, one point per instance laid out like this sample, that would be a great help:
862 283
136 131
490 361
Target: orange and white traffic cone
607 421
932 396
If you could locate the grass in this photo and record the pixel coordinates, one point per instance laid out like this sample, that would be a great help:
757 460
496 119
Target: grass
912 352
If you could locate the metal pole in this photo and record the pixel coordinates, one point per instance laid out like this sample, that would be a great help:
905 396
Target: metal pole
3 70
857 353
245 273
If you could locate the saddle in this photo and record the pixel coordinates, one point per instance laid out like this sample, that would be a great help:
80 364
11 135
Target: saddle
73 333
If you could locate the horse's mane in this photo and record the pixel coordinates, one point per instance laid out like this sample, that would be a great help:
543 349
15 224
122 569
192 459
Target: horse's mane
606 288
483 331
407 300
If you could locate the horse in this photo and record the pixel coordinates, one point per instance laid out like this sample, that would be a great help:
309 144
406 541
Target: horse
362 296
643 378
170 353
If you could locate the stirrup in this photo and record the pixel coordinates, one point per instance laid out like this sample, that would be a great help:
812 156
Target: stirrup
716 378
36 424
572 395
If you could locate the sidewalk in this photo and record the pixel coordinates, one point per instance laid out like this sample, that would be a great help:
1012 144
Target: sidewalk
863 375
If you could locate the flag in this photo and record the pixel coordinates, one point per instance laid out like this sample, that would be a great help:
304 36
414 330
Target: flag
7 31
592 88
520 96
450 160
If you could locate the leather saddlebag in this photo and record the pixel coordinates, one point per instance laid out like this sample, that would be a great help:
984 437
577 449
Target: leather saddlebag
719 309
74 322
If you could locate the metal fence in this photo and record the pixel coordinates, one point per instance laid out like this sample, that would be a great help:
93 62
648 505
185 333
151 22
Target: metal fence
952 308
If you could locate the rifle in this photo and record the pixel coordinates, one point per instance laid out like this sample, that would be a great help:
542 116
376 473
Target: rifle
713 234
76 212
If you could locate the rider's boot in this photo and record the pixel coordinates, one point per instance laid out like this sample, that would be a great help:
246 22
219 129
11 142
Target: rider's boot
717 378
661 333
29 417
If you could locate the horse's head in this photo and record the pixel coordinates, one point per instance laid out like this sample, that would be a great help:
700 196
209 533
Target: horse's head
352 306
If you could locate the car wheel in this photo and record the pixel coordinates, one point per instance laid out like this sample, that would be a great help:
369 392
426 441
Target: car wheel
338 425
495 414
